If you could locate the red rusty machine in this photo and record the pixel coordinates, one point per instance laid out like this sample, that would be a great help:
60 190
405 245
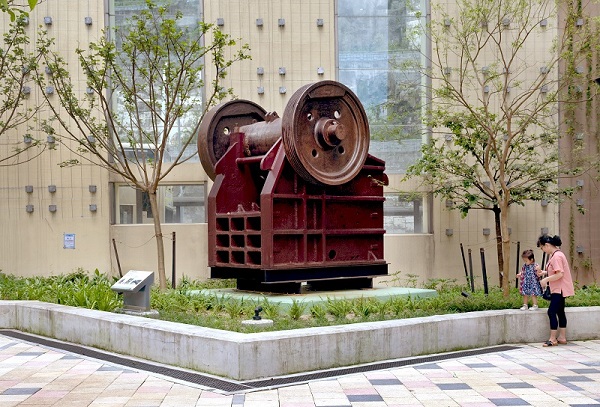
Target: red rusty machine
295 198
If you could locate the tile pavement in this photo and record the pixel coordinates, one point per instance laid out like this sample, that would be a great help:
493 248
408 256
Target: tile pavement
569 375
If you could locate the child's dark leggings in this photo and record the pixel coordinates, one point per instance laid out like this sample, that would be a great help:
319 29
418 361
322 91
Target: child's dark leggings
556 312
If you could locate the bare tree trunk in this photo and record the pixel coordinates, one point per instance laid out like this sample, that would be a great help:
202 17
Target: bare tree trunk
160 247
499 251
505 249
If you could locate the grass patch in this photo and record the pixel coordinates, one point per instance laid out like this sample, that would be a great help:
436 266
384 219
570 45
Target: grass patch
93 291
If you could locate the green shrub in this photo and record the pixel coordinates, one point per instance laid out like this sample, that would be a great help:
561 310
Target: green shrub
297 309
364 307
318 311
75 289
81 289
270 310
234 308
339 308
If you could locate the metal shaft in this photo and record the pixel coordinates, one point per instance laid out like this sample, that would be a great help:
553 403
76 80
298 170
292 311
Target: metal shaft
324 132
261 136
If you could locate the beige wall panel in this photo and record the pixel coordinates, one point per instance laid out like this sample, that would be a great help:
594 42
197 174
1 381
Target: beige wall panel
33 242
408 254
36 240
525 222
189 172
582 229
137 249
299 46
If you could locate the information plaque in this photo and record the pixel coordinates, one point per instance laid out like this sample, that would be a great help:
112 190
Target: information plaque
135 286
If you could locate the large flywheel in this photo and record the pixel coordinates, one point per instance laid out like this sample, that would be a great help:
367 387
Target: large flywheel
324 128
218 124
326 133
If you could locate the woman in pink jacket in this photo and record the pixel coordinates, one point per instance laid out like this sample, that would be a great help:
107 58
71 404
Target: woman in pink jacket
558 275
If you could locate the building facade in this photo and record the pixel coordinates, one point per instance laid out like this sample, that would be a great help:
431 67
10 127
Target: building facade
57 219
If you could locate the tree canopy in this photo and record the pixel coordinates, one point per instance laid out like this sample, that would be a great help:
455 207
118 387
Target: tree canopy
14 9
494 113
17 107
145 91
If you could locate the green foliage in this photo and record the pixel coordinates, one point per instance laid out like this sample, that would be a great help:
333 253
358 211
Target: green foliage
17 107
440 284
218 303
223 312
76 289
494 109
234 308
412 280
16 9
318 311
364 307
407 280
587 263
270 309
146 97
155 48
339 308
383 308
482 170
185 283
297 309
585 296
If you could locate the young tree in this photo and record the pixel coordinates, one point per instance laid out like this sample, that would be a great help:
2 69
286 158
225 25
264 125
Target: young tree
144 90
497 78
17 68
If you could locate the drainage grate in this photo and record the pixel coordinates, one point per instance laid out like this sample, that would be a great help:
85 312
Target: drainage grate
191 377
279 381
230 386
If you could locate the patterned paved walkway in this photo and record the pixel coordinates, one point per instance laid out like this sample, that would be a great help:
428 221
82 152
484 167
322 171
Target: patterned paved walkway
531 375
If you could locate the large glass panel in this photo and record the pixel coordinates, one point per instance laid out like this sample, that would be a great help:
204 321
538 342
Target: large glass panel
404 214
177 204
140 151
375 47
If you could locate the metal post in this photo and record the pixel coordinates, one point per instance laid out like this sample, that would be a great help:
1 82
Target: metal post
471 271
117 258
543 261
462 252
483 271
173 276
517 266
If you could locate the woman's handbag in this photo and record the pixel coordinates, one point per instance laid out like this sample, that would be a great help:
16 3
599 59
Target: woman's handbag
547 294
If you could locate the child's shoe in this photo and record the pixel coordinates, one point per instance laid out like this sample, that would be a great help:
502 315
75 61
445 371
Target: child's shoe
533 308
524 307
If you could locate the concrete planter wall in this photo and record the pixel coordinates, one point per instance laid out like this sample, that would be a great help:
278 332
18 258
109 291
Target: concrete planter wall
250 356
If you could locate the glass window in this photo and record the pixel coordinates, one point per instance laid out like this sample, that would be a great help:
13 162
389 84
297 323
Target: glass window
405 214
376 46
180 133
177 204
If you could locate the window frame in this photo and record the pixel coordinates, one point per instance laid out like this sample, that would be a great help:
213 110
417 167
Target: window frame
137 208
421 215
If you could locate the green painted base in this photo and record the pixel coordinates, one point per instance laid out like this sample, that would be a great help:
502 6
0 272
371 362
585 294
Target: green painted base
310 298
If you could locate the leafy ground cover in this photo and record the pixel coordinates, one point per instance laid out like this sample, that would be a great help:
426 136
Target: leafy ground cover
93 291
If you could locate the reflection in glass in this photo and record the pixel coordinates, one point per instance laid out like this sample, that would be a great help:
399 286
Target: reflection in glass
403 214
378 45
134 149
177 204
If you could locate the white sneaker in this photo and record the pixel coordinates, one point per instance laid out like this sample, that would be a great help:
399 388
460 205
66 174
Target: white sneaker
524 308
533 308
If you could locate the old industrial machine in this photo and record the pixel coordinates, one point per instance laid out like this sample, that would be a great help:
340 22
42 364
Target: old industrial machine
295 198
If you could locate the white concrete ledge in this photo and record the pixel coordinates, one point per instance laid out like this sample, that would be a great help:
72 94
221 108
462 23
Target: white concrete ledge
249 356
